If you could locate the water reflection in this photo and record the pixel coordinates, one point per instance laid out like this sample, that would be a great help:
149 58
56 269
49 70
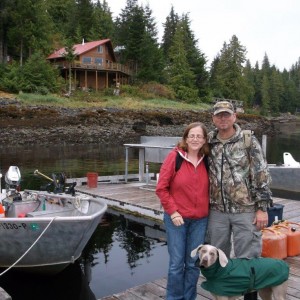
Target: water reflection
125 252
73 160
70 284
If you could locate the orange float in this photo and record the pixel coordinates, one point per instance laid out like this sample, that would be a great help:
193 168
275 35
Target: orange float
2 211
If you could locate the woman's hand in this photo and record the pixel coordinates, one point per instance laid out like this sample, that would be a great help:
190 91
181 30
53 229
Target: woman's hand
177 219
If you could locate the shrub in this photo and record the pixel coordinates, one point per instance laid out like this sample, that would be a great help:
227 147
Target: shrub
155 90
187 94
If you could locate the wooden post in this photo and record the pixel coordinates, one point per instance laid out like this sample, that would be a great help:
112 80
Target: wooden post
264 145
141 163
126 164
96 81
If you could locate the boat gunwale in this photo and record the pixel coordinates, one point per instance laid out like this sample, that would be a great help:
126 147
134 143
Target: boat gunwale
82 217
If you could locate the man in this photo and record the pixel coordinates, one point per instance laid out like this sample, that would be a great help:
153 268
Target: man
239 188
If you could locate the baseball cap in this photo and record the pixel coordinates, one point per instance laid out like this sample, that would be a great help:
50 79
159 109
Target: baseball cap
223 106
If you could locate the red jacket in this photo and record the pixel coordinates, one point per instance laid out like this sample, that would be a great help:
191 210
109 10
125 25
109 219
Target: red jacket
185 191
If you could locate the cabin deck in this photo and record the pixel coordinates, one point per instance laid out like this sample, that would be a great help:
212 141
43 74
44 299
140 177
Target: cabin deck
141 199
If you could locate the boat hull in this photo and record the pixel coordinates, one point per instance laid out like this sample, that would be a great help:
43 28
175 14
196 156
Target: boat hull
285 178
48 241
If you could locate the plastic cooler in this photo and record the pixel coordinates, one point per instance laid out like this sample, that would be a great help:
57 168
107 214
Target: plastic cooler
92 179
275 211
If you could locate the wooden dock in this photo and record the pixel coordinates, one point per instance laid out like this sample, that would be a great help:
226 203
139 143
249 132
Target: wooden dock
140 199
136 197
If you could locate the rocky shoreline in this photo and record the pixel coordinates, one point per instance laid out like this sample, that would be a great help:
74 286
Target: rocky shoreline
46 125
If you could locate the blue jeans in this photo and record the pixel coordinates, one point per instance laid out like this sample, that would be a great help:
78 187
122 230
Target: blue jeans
183 274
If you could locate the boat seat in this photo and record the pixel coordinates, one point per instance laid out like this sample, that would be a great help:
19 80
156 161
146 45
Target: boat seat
289 161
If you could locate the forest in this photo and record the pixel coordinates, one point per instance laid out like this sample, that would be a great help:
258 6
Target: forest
32 29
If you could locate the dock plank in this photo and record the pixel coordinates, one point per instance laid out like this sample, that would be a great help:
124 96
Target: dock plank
133 196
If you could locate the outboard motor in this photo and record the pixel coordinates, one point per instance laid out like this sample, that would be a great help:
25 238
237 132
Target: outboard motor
13 178
12 181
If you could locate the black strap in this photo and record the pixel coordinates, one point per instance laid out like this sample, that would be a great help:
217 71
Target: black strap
179 160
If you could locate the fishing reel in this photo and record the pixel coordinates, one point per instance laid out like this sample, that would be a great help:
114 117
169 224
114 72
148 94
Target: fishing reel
57 184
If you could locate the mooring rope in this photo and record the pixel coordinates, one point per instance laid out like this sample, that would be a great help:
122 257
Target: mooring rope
29 247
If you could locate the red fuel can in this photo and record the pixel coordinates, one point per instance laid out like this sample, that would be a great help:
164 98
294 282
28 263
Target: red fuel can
274 243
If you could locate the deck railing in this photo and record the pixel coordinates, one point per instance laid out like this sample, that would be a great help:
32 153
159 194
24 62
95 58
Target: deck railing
104 67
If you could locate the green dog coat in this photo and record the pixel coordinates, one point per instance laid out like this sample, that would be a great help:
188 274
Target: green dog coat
242 275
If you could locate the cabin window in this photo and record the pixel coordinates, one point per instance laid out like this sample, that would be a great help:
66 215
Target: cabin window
100 49
98 60
86 60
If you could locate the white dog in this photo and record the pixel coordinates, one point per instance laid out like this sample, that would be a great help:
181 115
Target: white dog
228 279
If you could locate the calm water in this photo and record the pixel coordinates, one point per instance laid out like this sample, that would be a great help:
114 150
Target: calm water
288 140
123 252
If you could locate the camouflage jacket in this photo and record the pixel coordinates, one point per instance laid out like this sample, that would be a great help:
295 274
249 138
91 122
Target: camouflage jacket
239 176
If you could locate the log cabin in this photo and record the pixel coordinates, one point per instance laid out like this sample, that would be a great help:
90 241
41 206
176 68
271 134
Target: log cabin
95 66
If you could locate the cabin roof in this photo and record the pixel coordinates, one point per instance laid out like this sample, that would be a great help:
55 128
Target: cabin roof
82 48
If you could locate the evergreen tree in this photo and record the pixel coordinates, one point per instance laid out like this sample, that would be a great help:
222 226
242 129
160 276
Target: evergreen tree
195 57
35 76
229 71
257 85
265 92
291 94
31 28
151 64
123 22
85 18
179 74
103 26
70 56
138 34
5 24
59 11
276 90
39 76
294 74
215 78
266 66
72 27
250 83
169 32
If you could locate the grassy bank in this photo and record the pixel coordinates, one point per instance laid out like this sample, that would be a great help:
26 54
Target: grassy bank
91 99
137 101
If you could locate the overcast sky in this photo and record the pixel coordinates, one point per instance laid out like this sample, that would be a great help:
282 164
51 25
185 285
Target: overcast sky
262 26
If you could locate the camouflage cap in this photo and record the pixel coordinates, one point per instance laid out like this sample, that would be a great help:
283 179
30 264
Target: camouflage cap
223 106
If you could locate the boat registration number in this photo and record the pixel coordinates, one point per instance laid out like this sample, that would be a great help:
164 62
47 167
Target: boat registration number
13 225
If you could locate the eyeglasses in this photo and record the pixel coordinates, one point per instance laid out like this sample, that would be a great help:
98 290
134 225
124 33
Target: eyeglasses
197 137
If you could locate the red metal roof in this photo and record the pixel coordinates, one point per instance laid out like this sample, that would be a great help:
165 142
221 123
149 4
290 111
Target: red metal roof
81 48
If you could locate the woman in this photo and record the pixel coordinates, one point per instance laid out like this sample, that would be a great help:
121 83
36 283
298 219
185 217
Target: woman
184 195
